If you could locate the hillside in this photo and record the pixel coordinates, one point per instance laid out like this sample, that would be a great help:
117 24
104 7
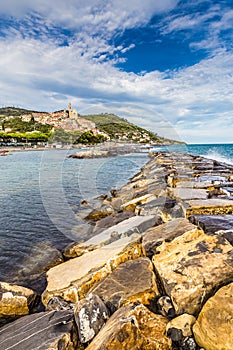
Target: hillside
122 129
110 125
14 111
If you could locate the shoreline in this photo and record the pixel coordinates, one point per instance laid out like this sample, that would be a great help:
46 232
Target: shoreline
177 203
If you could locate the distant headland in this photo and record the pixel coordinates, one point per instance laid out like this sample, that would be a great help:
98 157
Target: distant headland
28 128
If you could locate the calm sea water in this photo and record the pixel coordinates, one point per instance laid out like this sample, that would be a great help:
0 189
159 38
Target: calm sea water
40 194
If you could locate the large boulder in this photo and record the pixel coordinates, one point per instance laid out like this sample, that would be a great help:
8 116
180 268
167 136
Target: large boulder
132 281
15 300
191 267
91 315
166 232
54 330
73 279
213 206
135 224
133 328
214 327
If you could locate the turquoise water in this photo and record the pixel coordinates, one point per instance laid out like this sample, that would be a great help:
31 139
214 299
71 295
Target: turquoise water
220 152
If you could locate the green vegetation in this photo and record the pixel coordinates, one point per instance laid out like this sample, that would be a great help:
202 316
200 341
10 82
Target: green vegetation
65 137
17 125
89 137
23 137
118 128
14 111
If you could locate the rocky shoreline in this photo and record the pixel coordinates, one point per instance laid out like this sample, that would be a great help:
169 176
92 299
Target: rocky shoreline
156 272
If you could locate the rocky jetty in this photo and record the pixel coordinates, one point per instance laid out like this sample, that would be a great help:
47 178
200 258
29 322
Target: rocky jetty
156 272
112 150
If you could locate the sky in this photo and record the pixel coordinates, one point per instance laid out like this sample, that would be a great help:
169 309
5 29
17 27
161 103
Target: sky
166 65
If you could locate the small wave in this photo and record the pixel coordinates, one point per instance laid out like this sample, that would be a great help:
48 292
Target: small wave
219 156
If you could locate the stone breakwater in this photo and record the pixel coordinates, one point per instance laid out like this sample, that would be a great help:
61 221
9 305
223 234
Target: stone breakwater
156 272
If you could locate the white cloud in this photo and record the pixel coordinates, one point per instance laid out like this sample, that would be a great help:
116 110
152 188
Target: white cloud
39 73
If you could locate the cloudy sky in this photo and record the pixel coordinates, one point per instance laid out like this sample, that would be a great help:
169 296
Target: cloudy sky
166 65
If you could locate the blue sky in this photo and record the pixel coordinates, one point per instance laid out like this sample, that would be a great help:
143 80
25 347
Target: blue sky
166 65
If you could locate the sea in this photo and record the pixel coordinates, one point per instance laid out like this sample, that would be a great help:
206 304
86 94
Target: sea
41 195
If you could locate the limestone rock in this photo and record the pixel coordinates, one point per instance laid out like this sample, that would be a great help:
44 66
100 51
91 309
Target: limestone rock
91 315
77 249
131 205
15 300
213 206
165 306
58 304
73 279
133 281
113 220
214 327
188 193
46 331
166 232
135 224
191 267
132 328
180 327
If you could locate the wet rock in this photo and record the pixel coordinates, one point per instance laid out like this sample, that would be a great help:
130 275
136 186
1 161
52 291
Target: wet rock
165 306
15 300
132 328
214 327
180 328
133 281
73 279
135 224
46 330
191 267
98 214
77 249
154 236
91 315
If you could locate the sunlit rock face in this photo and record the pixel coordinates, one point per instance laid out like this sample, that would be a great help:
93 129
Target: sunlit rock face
191 267
15 300
214 327
133 327
155 236
133 281
73 279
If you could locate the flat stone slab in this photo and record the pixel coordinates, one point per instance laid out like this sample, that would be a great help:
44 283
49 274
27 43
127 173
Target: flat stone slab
195 184
73 279
188 193
135 224
133 327
214 327
154 236
213 223
132 281
213 206
139 200
46 330
191 267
